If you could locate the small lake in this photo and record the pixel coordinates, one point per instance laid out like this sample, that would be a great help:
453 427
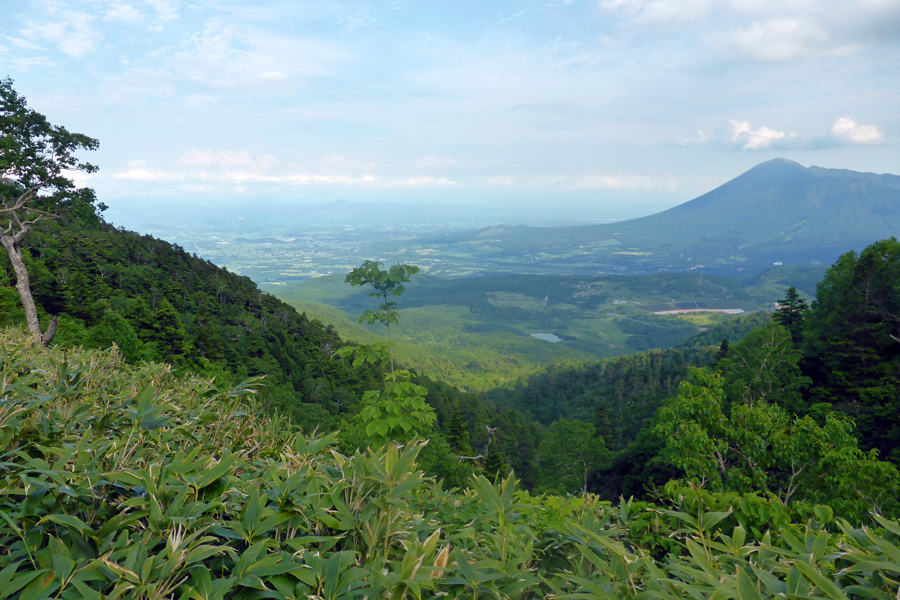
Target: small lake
547 337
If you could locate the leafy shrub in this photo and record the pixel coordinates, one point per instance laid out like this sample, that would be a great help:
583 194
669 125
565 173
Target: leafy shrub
123 481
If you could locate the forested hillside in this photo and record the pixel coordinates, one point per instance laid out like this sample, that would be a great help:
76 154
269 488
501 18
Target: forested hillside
159 303
477 332
821 376
166 486
156 302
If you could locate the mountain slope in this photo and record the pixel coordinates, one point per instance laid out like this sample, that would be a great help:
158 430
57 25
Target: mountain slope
778 211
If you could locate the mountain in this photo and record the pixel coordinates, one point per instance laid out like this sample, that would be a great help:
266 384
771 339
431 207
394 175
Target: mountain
777 212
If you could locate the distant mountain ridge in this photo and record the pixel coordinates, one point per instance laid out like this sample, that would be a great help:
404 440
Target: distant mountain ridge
778 211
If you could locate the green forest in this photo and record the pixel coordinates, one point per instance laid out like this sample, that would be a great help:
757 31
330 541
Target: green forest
476 332
168 430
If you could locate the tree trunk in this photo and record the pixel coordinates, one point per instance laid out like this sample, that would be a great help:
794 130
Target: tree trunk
11 245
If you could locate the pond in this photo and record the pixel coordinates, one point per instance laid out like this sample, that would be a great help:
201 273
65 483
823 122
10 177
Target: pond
547 337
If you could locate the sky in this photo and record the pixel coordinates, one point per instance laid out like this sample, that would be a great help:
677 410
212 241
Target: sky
634 105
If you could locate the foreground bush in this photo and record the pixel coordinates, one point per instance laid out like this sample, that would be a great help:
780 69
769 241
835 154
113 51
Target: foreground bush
122 481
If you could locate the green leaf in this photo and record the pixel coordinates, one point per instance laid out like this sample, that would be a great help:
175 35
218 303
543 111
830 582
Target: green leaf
86 592
746 589
816 578
40 588
465 568
332 574
69 521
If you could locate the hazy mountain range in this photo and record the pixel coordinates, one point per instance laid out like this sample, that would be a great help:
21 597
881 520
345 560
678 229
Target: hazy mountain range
778 211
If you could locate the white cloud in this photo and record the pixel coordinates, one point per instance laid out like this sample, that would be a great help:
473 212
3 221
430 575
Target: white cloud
695 140
308 179
272 76
26 64
80 178
769 30
360 17
848 130
753 139
72 33
137 86
237 57
227 161
659 12
339 164
23 43
501 180
139 171
242 167
120 11
426 182
229 169
618 182
780 39
166 10
434 161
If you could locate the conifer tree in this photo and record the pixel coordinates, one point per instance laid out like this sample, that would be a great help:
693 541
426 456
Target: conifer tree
169 334
457 431
495 467
790 314
603 425
113 328
723 350
852 343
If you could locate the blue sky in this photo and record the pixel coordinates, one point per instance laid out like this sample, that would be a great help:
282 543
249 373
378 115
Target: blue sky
623 103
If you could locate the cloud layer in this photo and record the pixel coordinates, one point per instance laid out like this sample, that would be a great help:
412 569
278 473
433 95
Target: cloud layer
608 100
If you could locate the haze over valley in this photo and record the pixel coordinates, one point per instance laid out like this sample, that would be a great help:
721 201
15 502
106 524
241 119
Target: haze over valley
777 213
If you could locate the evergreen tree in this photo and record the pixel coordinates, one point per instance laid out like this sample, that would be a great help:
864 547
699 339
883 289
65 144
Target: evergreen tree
457 431
723 350
570 454
603 425
790 313
852 343
764 367
495 467
169 334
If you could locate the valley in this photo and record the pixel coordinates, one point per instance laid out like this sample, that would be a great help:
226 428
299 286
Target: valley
481 332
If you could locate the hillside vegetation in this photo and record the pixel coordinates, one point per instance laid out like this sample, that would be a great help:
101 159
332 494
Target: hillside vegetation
167 486
475 333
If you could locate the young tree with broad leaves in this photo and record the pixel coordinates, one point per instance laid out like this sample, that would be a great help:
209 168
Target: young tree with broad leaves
386 283
36 163
399 412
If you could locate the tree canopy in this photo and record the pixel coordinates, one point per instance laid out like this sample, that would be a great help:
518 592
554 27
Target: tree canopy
36 158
